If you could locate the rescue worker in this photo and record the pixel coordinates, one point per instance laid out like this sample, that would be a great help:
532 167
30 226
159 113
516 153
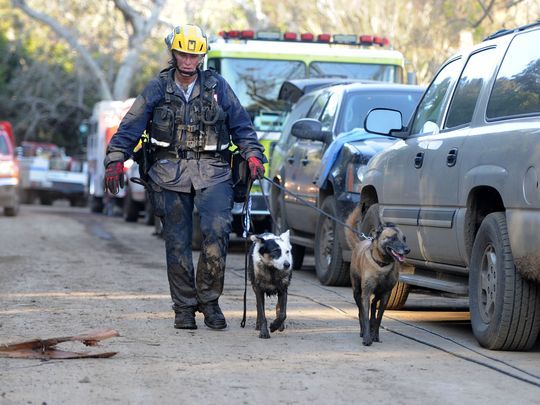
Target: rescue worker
191 116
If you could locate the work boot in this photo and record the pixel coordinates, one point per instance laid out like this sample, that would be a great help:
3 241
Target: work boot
213 317
185 319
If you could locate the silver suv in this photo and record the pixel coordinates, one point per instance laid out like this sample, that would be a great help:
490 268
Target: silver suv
463 184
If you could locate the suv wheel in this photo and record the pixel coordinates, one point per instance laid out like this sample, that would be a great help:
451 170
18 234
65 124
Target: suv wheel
505 308
329 264
400 293
279 225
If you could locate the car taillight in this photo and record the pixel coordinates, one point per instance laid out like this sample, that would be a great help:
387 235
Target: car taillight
9 168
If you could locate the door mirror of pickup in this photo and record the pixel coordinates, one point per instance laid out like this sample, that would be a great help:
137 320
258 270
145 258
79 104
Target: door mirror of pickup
311 129
384 121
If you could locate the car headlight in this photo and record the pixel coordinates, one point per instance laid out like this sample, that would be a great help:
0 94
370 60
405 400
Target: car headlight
9 169
354 177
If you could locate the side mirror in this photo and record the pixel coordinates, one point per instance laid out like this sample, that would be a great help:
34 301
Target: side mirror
311 129
383 121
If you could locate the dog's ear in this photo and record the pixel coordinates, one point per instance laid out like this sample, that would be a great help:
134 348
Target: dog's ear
379 230
284 236
256 238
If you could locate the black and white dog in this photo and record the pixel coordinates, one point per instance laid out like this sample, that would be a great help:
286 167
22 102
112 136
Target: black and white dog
270 271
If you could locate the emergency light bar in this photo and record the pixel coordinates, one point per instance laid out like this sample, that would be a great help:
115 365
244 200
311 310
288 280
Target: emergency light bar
342 39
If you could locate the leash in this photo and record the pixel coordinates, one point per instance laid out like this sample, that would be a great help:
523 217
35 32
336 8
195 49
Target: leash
246 209
306 203
247 221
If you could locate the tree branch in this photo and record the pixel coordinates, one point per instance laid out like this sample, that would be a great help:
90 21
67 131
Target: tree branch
71 39
487 12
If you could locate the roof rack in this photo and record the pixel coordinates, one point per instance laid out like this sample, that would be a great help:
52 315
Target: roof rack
503 32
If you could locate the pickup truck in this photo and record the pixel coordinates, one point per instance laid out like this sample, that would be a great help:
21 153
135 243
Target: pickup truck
48 174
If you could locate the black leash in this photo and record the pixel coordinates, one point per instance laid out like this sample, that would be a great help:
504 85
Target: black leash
333 218
246 209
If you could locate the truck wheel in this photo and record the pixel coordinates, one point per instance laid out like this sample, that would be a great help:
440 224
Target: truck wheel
26 197
279 225
96 204
130 209
505 308
11 211
400 293
329 264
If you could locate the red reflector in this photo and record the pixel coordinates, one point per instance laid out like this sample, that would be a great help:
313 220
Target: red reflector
366 39
323 37
380 41
308 36
289 36
247 34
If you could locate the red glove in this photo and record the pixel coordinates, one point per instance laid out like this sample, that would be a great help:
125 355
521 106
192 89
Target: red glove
114 177
256 168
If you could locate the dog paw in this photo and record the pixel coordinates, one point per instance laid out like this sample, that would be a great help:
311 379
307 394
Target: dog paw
264 334
367 342
276 325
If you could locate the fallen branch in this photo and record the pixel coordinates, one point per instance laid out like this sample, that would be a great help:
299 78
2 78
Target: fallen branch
45 349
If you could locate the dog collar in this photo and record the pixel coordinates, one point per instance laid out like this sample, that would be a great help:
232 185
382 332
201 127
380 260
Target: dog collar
381 264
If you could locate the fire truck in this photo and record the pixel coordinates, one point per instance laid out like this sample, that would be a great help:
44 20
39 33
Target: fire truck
256 64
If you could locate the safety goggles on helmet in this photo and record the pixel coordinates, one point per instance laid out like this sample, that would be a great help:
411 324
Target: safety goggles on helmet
187 38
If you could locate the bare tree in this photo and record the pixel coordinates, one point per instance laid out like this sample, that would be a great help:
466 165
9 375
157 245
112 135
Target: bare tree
139 26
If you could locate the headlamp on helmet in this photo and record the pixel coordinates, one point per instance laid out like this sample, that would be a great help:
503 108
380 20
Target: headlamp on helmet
187 38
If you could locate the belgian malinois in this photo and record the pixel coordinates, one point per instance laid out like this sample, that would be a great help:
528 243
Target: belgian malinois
375 266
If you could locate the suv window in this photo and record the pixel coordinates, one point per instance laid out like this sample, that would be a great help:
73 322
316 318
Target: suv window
478 69
357 105
517 87
429 111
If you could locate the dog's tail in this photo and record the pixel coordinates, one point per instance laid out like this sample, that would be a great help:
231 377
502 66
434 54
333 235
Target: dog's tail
352 220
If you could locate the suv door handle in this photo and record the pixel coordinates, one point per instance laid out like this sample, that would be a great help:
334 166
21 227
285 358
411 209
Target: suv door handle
451 158
290 160
419 160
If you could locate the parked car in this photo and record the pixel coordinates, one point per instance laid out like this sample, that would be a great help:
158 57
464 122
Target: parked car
9 175
462 183
324 130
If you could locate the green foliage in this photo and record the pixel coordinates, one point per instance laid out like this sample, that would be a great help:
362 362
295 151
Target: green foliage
46 90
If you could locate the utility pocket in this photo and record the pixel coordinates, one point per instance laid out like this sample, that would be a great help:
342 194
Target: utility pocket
162 130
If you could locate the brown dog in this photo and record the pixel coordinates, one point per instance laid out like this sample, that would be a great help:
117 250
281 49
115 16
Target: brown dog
375 266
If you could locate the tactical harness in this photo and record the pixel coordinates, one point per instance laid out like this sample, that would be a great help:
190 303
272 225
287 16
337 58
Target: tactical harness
198 126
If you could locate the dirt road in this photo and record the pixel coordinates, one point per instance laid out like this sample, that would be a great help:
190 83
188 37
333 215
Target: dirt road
64 271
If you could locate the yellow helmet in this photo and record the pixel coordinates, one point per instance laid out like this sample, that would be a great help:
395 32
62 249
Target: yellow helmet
187 38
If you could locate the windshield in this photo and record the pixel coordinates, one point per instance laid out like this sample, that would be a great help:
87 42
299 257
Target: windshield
357 105
383 73
256 83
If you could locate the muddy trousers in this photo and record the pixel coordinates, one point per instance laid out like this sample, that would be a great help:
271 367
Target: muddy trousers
214 206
